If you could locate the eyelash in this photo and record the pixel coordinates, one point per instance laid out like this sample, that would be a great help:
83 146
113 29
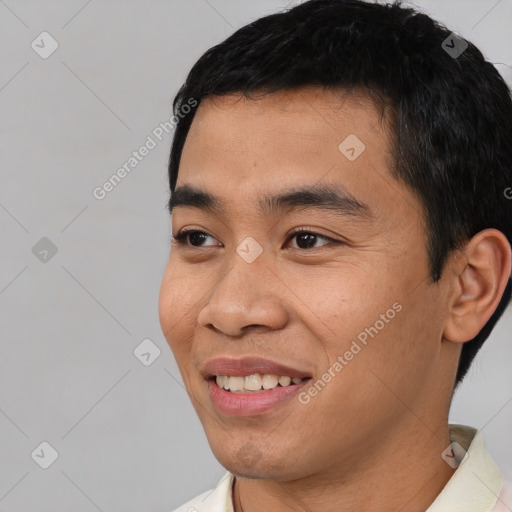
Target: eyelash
181 237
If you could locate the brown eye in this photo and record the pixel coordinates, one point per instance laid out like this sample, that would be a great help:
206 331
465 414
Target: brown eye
194 236
306 239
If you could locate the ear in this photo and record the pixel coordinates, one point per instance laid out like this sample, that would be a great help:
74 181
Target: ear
481 271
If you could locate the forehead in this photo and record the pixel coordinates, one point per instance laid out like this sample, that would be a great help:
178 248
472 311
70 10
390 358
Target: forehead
241 147
305 112
284 126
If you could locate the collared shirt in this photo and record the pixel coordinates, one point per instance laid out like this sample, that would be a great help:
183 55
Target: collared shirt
477 484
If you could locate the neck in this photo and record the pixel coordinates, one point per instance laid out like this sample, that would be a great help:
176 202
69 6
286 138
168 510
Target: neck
406 475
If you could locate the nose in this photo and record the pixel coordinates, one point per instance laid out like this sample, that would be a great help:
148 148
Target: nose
246 298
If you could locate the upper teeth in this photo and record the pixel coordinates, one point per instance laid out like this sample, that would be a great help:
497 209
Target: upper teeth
254 382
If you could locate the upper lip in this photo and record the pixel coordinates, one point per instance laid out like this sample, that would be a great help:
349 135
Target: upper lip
247 366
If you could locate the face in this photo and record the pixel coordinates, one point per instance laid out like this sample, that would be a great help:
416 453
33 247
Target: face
348 303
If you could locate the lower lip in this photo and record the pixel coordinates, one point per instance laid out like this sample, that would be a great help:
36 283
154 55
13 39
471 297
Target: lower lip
250 404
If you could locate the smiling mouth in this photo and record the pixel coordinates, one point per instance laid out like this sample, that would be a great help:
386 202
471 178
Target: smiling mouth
255 383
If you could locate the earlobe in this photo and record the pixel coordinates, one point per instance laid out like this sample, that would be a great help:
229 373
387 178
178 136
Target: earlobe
480 277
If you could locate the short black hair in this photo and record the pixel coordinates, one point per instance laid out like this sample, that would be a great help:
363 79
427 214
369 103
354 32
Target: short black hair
451 111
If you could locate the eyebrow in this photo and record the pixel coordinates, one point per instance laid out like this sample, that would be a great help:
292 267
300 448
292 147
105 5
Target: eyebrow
332 198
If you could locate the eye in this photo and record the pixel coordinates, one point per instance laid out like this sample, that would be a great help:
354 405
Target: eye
182 237
305 238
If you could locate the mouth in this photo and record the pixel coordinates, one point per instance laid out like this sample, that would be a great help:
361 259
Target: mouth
251 386
255 383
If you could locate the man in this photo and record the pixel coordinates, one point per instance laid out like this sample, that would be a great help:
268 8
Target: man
341 250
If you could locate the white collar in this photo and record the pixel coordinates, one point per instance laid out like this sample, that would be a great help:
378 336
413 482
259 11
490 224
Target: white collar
477 481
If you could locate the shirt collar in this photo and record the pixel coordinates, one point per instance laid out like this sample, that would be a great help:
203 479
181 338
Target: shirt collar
473 487
477 481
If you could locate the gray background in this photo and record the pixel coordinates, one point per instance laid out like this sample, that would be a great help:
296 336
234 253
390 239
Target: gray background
126 435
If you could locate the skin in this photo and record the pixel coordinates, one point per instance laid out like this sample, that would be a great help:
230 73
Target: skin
372 438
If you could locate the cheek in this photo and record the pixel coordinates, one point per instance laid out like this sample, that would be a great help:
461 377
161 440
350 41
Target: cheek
349 304
367 319
175 307
166 302
396 351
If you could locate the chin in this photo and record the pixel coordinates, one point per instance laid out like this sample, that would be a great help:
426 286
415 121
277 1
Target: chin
249 461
